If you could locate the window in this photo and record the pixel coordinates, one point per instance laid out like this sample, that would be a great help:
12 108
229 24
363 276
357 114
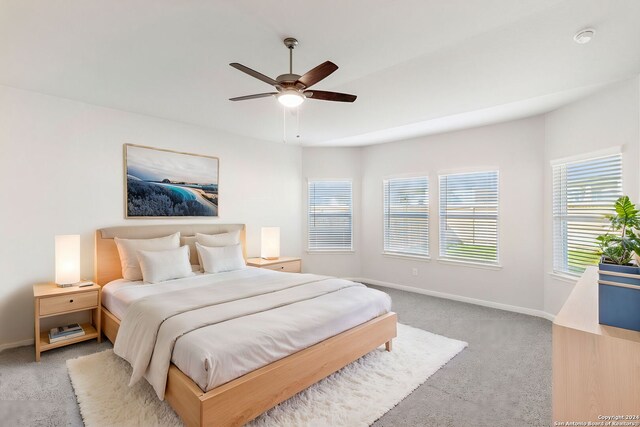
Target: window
406 216
583 193
469 217
330 216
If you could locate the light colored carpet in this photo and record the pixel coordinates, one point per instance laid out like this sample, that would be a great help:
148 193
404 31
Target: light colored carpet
357 395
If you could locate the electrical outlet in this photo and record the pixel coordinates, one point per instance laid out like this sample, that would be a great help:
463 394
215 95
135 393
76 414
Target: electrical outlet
414 271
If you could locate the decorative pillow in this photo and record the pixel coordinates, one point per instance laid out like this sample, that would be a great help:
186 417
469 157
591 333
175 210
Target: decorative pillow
159 266
217 240
193 253
127 249
219 259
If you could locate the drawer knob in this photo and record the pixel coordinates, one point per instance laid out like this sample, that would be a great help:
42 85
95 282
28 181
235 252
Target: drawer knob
281 268
70 300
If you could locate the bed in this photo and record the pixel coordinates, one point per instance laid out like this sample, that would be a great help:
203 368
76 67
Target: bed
229 399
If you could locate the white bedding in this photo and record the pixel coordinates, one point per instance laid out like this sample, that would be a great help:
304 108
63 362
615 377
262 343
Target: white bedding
215 328
119 294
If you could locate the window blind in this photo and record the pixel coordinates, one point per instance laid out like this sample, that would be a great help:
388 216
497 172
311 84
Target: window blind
406 216
330 216
583 193
469 217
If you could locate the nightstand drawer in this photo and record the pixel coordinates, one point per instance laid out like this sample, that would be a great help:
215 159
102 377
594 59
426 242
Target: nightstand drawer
70 302
289 267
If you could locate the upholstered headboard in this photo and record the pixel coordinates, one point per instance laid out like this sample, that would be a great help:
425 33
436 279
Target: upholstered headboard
107 261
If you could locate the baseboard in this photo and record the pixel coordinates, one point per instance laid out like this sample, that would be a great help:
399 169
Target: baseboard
485 303
16 344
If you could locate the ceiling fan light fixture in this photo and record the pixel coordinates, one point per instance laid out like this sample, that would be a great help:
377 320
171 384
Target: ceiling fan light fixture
290 98
293 88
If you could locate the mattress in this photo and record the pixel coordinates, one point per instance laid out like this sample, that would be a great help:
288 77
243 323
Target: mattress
316 308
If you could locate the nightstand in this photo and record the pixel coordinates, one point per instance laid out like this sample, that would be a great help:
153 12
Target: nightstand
50 300
287 264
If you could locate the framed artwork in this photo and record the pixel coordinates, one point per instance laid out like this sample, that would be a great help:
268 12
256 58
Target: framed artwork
163 183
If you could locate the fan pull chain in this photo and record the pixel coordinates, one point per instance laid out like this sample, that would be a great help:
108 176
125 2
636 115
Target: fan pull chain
298 122
284 125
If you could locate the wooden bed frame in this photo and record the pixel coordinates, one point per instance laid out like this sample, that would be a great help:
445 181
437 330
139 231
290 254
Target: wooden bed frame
241 400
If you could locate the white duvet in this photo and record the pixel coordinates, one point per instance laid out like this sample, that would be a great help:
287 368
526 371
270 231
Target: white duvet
215 328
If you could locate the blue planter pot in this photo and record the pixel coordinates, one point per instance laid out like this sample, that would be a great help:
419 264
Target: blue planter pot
627 269
619 295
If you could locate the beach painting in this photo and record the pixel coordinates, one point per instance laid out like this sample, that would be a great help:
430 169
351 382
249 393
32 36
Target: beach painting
164 183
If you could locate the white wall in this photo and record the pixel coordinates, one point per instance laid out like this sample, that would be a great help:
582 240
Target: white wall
606 119
516 150
61 165
333 163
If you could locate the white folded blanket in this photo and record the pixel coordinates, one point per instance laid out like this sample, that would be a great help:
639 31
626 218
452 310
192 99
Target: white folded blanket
250 307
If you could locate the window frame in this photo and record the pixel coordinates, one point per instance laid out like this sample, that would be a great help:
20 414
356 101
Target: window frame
351 248
471 262
408 255
564 273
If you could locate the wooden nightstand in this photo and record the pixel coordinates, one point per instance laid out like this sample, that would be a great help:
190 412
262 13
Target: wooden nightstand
288 264
50 300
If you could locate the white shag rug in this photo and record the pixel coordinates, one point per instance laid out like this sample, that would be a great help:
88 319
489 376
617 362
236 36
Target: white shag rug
357 395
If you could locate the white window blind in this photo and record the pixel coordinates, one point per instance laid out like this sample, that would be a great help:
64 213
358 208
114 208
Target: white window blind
406 216
469 217
583 193
330 216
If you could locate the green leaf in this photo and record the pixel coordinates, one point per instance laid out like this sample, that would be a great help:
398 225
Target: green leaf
622 242
626 214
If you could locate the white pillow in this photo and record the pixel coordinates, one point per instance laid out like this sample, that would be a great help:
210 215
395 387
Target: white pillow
219 259
217 240
127 248
159 266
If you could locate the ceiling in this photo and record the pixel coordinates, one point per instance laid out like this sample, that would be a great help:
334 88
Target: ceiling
417 66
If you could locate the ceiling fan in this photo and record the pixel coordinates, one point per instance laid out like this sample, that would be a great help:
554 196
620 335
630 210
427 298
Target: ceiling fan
293 89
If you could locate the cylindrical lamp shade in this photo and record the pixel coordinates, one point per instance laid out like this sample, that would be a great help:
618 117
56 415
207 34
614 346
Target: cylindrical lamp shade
270 243
67 259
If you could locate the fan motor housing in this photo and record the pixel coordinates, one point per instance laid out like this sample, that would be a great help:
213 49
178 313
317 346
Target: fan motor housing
287 78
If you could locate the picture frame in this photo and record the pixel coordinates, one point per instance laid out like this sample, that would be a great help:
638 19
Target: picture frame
162 183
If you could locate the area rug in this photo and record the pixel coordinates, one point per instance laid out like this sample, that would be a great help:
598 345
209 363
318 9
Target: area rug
357 395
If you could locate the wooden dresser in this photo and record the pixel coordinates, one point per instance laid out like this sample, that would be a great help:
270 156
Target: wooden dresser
596 368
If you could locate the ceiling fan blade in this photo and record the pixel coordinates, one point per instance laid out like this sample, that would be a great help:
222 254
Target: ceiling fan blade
315 75
329 96
254 73
258 95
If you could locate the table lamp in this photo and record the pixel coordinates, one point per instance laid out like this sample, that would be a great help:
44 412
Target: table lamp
67 260
270 243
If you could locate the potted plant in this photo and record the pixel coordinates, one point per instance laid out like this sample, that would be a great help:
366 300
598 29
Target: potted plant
619 246
619 275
